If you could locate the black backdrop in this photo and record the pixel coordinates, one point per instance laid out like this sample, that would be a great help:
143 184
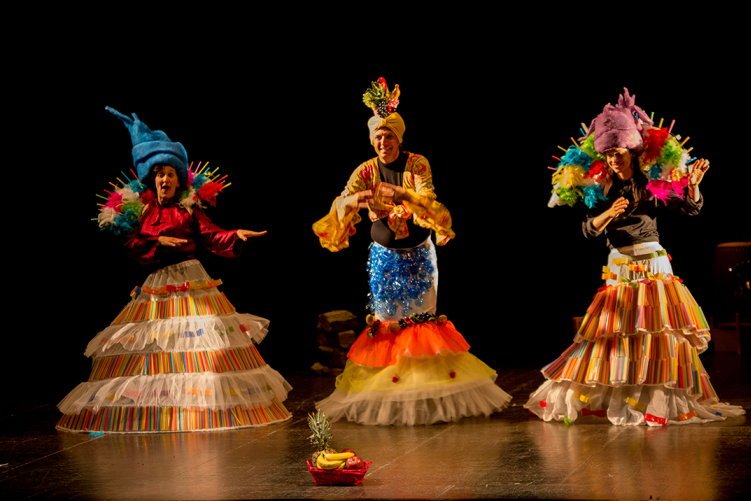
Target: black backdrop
288 128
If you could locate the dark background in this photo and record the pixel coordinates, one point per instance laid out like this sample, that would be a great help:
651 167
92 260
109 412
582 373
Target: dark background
289 127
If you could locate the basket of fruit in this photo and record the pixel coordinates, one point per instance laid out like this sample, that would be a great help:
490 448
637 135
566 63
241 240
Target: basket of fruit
327 466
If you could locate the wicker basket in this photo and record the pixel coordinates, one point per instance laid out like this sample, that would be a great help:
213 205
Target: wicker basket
337 477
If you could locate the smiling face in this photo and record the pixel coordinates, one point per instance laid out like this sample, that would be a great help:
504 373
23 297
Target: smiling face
166 182
619 161
386 145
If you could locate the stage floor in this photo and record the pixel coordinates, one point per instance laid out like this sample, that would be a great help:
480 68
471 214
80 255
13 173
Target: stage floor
509 455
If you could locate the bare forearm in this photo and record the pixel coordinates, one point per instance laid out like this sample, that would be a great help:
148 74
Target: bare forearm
599 223
693 193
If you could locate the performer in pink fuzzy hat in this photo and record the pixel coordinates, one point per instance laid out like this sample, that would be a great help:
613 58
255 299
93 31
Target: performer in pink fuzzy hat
635 357
619 126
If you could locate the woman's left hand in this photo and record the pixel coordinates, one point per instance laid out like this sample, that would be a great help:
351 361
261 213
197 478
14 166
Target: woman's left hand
697 172
246 234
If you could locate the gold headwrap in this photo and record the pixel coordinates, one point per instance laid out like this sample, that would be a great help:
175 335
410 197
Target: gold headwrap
393 122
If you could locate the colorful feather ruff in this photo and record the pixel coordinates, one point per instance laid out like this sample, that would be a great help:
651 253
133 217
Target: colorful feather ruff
124 204
582 174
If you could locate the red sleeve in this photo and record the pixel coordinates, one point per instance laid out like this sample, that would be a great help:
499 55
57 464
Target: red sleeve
221 242
143 245
175 221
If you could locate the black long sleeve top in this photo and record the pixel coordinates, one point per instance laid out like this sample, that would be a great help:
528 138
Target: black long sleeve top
639 223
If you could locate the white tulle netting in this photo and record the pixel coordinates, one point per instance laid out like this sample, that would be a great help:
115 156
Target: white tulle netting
625 405
180 334
252 388
416 407
416 390
187 271
178 357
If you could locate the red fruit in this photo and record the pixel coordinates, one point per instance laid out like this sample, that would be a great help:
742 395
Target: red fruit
349 450
354 463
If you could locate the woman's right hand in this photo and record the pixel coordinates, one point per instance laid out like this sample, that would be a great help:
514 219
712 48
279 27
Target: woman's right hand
359 200
618 208
600 222
171 241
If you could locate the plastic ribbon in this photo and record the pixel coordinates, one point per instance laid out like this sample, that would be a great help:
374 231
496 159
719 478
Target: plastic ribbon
649 277
607 274
185 286
635 404
656 419
640 257
687 415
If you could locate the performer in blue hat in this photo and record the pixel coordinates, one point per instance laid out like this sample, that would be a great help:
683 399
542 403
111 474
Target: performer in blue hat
178 357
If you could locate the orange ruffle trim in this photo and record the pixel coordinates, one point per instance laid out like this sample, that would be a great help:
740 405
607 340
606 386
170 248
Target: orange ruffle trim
419 340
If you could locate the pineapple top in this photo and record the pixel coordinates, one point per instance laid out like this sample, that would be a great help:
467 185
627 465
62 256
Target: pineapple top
321 430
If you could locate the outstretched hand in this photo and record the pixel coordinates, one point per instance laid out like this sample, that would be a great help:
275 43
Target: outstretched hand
166 241
246 234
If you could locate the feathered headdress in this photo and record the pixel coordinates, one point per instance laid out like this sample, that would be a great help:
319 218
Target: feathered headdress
581 174
124 204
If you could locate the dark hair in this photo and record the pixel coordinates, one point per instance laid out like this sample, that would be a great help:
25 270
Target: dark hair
150 180
634 189
640 179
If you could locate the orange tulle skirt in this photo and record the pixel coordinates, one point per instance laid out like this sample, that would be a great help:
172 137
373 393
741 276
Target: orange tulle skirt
385 346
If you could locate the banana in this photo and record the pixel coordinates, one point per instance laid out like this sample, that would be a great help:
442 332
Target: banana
338 456
325 464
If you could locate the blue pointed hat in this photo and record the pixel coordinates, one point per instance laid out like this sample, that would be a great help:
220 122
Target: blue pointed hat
153 147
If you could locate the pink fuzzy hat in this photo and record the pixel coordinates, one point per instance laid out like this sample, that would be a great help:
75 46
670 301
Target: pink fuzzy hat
619 126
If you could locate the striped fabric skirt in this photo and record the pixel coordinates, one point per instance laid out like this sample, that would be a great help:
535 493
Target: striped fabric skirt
635 358
178 357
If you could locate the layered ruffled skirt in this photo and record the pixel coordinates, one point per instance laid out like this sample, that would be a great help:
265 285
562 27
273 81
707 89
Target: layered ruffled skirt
410 366
635 358
178 357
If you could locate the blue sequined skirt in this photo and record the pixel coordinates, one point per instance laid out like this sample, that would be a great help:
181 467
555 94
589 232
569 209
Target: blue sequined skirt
402 281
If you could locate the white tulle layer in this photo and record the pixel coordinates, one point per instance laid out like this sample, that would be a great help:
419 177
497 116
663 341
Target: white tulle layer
562 401
193 333
653 265
187 271
414 407
252 388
